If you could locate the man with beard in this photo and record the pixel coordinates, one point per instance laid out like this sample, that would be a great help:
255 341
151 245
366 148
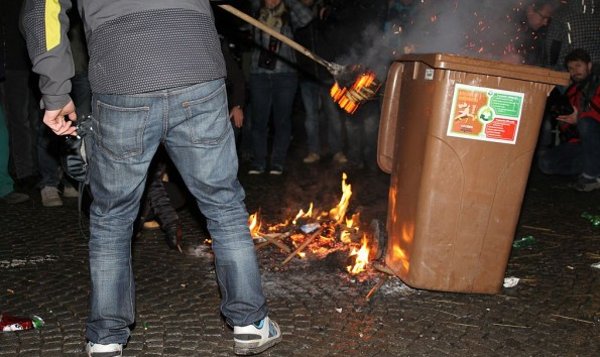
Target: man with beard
579 153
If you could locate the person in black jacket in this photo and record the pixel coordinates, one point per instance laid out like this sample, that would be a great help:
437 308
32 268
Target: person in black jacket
315 83
7 192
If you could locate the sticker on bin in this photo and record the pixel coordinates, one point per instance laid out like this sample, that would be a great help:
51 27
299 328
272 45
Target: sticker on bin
485 114
429 72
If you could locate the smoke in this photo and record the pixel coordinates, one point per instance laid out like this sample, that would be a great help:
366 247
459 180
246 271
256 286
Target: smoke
474 28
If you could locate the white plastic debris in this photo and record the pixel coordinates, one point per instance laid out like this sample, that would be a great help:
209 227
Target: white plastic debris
309 227
511 282
596 265
338 309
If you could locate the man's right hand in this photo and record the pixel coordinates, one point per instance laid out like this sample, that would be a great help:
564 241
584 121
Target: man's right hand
55 120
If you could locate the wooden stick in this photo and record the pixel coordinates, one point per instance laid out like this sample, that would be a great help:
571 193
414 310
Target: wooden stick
303 245
375 288
459 324
334 68
275 240
572 318
511 326
538 228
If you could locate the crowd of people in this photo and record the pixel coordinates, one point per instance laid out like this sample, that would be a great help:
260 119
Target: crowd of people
179 85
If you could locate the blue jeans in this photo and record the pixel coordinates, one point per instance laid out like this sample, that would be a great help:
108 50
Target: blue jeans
272 94
6 182
575 158
194 125
48 152
313 94
22 118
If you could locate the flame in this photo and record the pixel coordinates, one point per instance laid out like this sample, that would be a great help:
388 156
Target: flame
254 225
345 237
362 258
363 88
339 212
301 214
354 221
338 232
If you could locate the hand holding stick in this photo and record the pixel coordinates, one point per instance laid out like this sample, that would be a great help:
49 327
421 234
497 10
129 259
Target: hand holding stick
334 68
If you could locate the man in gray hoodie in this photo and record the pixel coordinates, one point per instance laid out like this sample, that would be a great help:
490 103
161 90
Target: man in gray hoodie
157 75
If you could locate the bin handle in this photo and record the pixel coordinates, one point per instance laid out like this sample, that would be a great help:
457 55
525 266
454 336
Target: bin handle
389 117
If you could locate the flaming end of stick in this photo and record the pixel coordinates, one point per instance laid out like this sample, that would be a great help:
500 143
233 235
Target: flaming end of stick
364 87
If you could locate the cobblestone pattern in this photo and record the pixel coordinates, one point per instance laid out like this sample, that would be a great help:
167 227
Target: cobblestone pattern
553 311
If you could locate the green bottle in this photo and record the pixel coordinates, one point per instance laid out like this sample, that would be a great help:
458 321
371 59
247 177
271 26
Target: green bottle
523 242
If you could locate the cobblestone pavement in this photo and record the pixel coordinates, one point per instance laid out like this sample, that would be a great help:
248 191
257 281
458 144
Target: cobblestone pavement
553 311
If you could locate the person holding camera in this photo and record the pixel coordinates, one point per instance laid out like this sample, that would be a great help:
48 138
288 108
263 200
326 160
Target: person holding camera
274 81
579 150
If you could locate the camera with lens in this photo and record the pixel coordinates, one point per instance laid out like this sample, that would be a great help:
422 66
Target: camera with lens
267 58
558 104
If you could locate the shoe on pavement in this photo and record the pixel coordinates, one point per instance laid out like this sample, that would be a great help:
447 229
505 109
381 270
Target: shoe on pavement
276 170
50 197
585 183
256 171
98 350
255 338
151 225
311 158
14 198
340 158
70 192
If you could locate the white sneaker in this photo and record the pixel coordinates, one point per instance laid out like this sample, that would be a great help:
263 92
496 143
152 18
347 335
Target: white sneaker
98 350
340 158
255 338
50 197
70 192
311 158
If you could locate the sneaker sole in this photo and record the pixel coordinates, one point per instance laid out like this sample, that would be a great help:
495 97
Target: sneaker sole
249 350
586 188
52 204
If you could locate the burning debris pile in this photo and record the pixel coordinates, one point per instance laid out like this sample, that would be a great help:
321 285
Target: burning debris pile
318 233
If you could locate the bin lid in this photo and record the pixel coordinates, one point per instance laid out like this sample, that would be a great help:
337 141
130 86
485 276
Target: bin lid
489 68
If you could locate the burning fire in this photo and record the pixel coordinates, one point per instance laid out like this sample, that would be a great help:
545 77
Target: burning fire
320 232
254 224
339 212
364 88
362 258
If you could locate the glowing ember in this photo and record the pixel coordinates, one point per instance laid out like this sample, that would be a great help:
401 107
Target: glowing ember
364 88
362 258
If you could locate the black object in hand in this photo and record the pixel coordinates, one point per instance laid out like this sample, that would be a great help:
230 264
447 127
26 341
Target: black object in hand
558 104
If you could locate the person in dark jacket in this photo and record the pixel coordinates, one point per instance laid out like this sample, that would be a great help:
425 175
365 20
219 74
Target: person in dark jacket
315 83
579 153
273 82
157 76
7 192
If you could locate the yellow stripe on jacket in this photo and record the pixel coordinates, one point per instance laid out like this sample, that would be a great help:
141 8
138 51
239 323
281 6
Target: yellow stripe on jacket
52 24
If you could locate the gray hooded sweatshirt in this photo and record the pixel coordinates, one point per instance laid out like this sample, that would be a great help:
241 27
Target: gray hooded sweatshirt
135 46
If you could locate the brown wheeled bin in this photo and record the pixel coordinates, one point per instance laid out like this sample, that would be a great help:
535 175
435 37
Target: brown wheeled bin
457 135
